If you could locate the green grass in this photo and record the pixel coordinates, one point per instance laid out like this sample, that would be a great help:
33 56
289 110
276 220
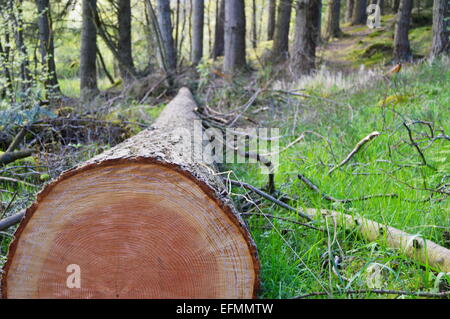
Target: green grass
291 259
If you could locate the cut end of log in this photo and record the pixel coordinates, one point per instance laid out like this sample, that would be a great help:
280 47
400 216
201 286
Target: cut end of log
132 226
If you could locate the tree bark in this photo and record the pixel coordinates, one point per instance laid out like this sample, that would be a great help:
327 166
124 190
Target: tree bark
219 32
280 49
197 34
359 12
349 10
402 49
234 36
88 54
332 29
145 219
395 5
441 34
254 25
47 46
303 54
165 25
124 46
272 19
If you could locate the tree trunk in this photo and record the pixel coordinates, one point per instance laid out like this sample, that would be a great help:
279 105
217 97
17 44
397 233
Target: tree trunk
318 21
349 10
18 23
234 36
219 32
280 49
332 29
197 34
88 54
395 5
402 49
165 25
47 45
359 12
272 19
381 5
303 54
142 220
254 26
126 64
441 32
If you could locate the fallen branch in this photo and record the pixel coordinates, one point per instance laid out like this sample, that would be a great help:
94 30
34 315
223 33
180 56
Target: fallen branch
9 157
313 187
421 250
283 219
269 197
11 220
355 150
17 140
377 291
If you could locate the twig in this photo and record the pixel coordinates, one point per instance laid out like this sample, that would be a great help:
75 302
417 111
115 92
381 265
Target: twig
246 106
283 219
378 291
10 179
269 197
17 140
313 187
355 150
413 142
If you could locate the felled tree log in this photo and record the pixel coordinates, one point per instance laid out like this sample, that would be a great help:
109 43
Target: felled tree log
142 220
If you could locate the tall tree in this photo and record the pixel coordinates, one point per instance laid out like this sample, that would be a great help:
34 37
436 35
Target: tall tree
280 48
124 49
219 34
18 23
47 47
254 28
332 29
441 32
402 49
395 5
359 12
272 19
197 31
234 35
349 10
165 26
303 54
88 54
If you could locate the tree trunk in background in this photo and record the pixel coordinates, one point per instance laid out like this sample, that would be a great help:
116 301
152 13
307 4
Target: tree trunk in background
197 31
402 49
332 28
234 35
271 20
441 33
395 6
219 32
318 22
165 25
88 54
381 5
124 44
254 29
349 10
25 72
280 48
47 47
359 12
303 53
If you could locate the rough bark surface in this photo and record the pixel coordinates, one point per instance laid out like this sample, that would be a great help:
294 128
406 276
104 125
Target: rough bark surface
441 33
126 64
303 54
281 38
402 48
219 32
88 55
234 36
332 28
272 19
143 220
197 34
165 25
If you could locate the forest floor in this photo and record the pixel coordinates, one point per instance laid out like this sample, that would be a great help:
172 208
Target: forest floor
343 102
